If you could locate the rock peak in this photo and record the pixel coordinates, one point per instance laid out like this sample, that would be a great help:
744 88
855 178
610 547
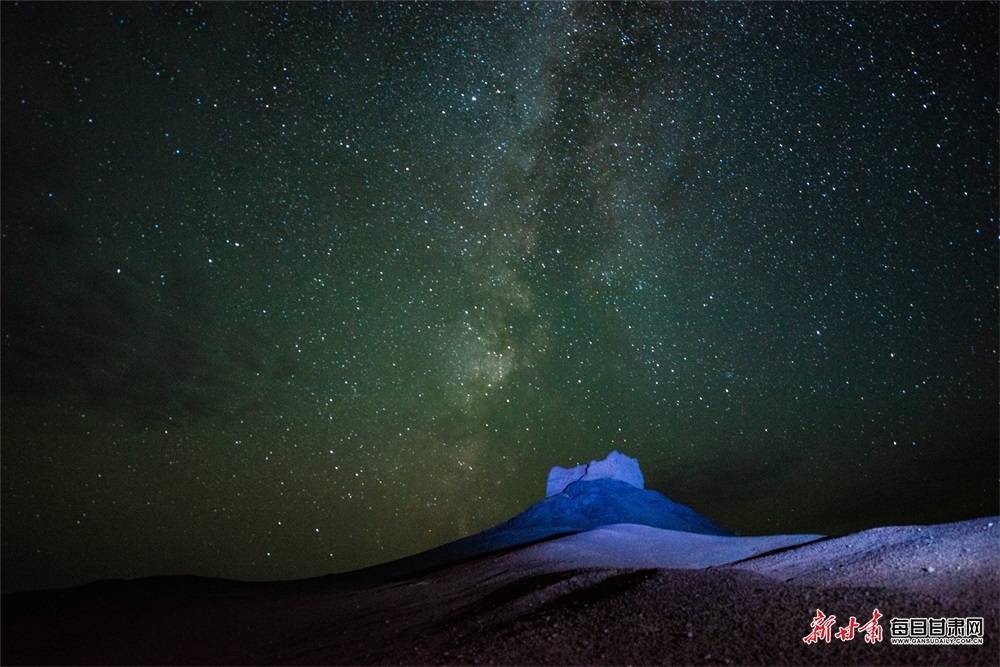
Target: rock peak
614 466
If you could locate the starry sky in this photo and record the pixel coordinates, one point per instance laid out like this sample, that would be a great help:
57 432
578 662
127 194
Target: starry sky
295 289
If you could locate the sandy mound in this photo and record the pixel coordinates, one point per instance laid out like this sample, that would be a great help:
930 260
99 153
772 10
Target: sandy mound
635 546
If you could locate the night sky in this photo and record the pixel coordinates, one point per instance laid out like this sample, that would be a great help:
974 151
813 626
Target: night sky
295 289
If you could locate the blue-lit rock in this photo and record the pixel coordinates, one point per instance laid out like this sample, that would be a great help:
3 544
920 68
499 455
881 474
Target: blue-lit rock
614 466
616 496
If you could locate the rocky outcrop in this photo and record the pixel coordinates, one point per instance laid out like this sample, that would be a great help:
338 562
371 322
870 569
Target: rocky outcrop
601 493
614 466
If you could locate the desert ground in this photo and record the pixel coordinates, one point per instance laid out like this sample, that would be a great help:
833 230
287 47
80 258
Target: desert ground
620 594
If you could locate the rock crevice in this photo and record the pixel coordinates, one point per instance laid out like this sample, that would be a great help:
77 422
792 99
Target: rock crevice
614 466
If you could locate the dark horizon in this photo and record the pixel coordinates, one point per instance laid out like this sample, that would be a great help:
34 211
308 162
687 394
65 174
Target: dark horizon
298 289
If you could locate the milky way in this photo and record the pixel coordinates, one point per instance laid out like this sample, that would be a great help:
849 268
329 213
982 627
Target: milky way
301 288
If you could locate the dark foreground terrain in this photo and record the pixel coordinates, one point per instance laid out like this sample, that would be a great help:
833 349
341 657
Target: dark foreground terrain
619 594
